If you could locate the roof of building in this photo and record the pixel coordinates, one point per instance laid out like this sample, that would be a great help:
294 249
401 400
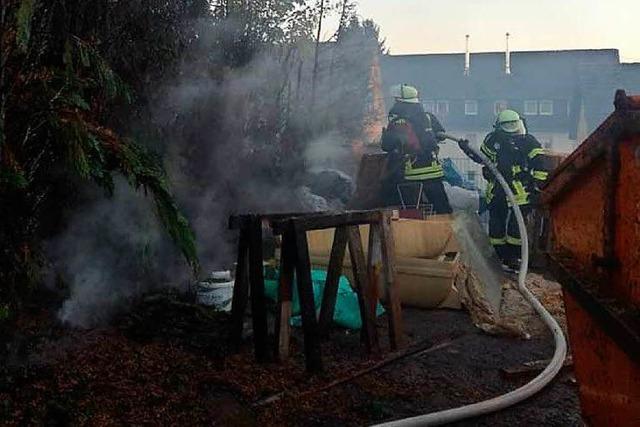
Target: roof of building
546 73
598 82
621 121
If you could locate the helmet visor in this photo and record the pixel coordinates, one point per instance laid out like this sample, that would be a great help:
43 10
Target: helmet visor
511 127
408 100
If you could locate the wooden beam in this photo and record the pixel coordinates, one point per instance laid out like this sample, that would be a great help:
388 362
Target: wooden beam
313 356
394 307
237 222
374 264
240 292
361 282
258 300
333 279
531 368
328 220
285 294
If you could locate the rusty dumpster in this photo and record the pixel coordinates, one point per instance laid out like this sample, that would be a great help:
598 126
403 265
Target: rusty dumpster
594 203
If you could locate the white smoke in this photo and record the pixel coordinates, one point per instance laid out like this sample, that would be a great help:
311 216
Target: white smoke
226 151
112 251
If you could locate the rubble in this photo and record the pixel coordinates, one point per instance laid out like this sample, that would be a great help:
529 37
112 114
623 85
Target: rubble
331 184
309 201
173 318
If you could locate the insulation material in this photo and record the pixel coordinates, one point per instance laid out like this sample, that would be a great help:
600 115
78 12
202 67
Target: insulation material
490 296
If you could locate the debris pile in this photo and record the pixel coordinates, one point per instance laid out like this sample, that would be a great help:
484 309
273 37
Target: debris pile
172 318
516 316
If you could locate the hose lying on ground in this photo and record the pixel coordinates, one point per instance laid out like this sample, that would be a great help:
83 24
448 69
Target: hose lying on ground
535 385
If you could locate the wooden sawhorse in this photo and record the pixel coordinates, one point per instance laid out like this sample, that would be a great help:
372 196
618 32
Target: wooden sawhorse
295 258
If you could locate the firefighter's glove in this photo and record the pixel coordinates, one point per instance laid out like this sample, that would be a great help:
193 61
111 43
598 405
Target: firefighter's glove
534 198
464 145
487 174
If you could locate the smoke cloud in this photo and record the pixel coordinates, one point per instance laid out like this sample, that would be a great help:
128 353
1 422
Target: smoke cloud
239 141
112 251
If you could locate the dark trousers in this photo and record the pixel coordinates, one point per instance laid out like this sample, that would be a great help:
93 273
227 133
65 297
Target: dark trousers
504 233
436 196
433 194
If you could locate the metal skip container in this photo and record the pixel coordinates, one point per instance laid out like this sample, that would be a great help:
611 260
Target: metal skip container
594 203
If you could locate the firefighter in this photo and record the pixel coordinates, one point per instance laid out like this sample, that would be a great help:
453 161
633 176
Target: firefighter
518 157
411 140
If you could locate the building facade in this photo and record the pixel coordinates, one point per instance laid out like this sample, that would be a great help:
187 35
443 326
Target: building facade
562 95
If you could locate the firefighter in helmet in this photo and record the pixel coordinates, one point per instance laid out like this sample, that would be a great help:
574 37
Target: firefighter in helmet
412 143
518 157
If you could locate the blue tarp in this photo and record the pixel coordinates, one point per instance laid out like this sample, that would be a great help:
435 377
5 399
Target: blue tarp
454 177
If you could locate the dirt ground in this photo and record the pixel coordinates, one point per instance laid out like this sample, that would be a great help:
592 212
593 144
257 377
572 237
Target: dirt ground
168 365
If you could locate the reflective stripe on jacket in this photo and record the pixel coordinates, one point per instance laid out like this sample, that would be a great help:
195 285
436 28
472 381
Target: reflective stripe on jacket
412 172
519 160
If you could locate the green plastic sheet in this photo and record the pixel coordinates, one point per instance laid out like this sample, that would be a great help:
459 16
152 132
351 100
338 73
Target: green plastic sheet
347 312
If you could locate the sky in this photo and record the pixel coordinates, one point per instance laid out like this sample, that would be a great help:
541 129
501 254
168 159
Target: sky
427 26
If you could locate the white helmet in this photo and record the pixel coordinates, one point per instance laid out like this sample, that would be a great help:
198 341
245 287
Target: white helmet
405 93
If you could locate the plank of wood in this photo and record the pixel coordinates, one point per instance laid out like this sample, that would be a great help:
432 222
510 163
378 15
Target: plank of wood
374 264
313 354
419 350
285 294
371 174
240 292
329 220
533 367
397 338
361 282
237 222
258 300
334 271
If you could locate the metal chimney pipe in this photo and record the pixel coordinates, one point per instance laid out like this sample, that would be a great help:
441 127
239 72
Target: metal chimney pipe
507 58
467 58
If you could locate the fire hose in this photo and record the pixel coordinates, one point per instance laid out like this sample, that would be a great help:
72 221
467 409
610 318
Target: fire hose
538 383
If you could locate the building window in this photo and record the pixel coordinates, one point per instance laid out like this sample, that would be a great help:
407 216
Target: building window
429 106
443 107
471 108
500 106
531 108
546 108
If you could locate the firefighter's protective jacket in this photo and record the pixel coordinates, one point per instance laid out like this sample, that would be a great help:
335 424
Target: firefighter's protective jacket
421 163
519 159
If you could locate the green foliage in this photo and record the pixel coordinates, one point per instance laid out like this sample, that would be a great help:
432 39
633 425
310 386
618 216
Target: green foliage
61 95
80 76
4 312
23 24
94 152
142 170
12 179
